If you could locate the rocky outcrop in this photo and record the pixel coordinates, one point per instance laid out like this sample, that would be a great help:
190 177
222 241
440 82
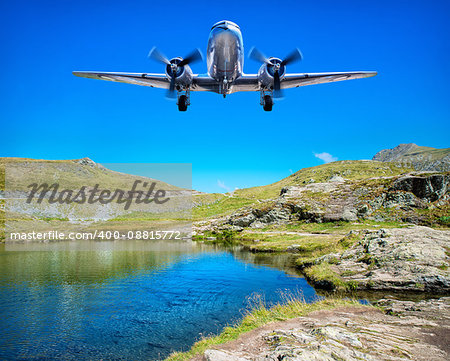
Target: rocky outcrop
89 162
429 188
389 198
312 202
416 332
404 259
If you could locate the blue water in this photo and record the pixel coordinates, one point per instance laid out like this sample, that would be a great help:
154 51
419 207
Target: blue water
128 304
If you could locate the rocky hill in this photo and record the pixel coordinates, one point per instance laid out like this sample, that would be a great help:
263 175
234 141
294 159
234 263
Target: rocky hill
419 158
71 173
70 210
333 192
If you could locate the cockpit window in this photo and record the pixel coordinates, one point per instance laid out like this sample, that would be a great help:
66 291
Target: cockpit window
224 22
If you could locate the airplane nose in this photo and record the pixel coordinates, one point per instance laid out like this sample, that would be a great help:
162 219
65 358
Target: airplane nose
226 36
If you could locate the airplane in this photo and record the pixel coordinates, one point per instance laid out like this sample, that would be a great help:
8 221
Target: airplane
225 62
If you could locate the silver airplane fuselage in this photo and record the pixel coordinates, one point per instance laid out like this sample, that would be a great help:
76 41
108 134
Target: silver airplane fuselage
225 54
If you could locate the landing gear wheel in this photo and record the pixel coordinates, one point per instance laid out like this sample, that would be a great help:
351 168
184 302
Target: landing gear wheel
268 103
182 103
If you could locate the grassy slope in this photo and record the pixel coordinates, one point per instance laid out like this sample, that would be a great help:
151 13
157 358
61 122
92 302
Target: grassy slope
427 152
69 173
261 316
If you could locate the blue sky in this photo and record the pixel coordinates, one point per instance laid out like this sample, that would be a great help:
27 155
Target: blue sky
48 113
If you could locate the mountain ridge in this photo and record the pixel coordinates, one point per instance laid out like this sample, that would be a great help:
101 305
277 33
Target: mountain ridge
418 157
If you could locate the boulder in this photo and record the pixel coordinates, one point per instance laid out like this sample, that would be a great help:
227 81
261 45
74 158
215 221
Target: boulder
242 220
336 179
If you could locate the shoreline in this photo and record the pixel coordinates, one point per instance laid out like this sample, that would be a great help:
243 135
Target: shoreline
332 329
408 259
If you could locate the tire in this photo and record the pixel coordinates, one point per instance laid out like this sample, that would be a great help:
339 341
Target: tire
182 103
268 103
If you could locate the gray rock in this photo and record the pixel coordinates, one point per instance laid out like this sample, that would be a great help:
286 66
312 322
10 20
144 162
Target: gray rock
339 334
406 330
390 155
294 248
276 215
413 259
401 199
336 178
349 215
363 210
217 355
243 220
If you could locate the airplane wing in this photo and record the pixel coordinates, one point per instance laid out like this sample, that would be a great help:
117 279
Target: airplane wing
302 79
249 82
200 82
145 79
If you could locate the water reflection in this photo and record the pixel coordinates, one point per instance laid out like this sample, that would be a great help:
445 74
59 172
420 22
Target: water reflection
71 262
128 301
281 261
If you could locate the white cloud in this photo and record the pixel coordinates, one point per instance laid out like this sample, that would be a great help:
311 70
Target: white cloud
223 185
326 157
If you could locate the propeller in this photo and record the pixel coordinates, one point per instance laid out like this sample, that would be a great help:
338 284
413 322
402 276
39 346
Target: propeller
258 56
174 66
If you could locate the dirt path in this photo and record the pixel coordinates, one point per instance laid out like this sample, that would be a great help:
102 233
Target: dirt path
303 234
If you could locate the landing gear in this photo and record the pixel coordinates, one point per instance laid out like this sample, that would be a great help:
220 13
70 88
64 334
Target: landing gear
182 103
183 100
268 103
266 100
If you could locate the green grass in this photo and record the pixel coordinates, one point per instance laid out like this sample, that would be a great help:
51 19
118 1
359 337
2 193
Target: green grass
435 216
313 245
427 153
2 225
323 274
259 316
280 243
206 198
340 227
307 247
150 216
219 207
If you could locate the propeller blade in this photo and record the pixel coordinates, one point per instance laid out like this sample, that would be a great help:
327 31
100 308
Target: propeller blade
194 56
171 91
155 54
277 85
293 56
258 56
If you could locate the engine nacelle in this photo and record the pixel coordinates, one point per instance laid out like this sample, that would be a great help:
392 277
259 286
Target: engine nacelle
182 73
267 71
